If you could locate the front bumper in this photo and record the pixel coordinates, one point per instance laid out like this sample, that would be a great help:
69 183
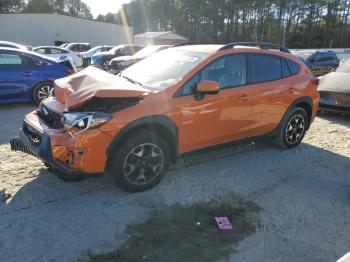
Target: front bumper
335 102
56 149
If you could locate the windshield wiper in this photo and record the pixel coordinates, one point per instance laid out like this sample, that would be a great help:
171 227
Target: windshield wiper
131 80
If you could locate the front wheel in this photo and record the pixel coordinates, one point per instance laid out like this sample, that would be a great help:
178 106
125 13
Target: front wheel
293 129
140 162
42 91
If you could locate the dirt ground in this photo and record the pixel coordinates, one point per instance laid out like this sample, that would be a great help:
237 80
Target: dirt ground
284 205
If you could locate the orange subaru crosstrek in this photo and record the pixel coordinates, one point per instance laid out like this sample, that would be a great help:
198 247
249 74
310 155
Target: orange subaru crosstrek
135 124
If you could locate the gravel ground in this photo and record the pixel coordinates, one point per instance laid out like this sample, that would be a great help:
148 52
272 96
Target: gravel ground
303 195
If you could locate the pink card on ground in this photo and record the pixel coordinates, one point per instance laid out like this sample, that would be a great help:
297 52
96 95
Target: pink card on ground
223 223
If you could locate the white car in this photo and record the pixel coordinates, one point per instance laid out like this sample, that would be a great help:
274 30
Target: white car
13 45
58 52
86 56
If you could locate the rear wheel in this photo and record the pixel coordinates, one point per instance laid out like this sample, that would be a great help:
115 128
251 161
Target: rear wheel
293 129
42 91
140 162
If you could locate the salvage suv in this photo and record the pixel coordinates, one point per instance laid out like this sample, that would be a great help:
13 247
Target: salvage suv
135 124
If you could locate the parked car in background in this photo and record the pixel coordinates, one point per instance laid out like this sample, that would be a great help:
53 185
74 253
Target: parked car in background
102 59
57 52
69 63
122 62
320 62
78 47
86 56
334 89
26 76
186 98
13 45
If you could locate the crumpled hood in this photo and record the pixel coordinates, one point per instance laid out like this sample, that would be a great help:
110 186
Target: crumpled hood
79 88
335 82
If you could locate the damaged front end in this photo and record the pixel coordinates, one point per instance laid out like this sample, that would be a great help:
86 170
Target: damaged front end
17 145
67 130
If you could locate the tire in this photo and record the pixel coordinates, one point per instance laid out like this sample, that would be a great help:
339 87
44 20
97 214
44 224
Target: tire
140 162
41 91
292 129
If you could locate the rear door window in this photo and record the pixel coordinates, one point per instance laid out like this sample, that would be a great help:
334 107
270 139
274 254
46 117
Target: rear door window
264 68
36 62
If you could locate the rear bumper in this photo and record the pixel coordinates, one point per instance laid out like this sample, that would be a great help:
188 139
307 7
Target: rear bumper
37 142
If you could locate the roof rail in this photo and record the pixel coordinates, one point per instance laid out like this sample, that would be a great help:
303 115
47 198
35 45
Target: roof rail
256 44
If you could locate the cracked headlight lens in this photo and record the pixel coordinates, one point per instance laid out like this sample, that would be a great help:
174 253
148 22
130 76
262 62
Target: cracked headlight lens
78 122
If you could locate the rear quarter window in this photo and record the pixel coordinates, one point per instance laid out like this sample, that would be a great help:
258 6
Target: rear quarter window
285 67
293 67
36 61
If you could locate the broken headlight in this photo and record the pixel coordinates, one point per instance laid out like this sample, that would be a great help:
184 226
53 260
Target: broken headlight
78 122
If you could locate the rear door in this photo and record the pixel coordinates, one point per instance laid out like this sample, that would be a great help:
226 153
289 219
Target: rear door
15 77
269 92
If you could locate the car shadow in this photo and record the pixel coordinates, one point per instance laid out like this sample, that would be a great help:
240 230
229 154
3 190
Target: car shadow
11 118
46 187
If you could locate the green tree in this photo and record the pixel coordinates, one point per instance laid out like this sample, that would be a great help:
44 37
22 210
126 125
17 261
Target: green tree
297 23
75 8
11 6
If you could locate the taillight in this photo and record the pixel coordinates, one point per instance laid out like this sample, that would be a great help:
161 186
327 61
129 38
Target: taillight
70 71
315 80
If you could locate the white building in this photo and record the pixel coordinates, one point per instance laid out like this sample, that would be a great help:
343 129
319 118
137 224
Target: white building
159 38
51 29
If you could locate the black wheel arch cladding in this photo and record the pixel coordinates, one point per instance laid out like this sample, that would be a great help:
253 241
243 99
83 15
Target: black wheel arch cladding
160 125
305 103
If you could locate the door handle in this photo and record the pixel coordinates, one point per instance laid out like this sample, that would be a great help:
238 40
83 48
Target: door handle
28 73
244 97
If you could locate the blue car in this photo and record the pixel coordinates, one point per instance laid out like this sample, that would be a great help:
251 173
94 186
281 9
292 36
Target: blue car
26 76
319 62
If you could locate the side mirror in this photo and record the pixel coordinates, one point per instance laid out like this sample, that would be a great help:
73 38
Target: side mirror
208 87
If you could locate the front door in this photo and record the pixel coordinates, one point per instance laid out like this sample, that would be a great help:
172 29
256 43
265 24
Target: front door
214 119
14 77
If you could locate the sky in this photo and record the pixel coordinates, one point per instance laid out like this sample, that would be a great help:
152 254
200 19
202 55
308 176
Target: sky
104 6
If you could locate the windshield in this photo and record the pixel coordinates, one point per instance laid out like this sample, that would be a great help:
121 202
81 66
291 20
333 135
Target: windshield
304 55
163 69
147 51
114 49
344 67
94 49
